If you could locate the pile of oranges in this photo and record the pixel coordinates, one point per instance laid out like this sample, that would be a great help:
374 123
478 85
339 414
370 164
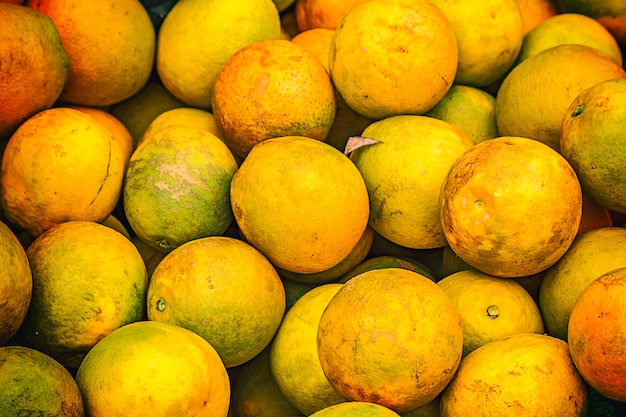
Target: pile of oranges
313 208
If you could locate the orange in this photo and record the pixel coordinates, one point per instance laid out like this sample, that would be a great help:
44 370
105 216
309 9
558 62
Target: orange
470 109
534 97
311 209
153 369
60 165
327 14
222 289
118 130
430 409
610 13
490 307
355 257
591 255
88 280
591 140
535 12
32 383
525 374
355 409
116 224
379 44
110 45
15 283
557 30
35 65
197 37
269 89
510 206
177 187
404 172
489 35
380 339
595 333
294 359
594 216
187 116
139 110
255 392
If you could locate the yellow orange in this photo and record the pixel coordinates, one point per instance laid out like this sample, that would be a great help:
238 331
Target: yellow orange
222 289
536 11
153 369
59 165
523 374
380 43
369 345
292 218
327 14
534 97
501 187
404 171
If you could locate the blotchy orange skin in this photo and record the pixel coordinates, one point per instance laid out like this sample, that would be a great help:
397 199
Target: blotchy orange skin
597 334
511 207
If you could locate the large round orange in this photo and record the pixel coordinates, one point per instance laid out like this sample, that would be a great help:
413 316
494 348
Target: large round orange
596 334
390 336
511 206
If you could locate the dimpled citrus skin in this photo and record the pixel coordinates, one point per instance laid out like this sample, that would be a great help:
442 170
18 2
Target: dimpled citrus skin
379 43
311 209
511 206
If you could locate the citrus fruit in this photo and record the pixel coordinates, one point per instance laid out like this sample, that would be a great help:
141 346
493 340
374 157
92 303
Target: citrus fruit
32 383
610 13
61 164
490 307
470 109
116 224
197 37
489 35
557 30
88 280
591 139
16 284
222 289
388 261
177 187
283 5
355 257
139 110
355 409
535 12
185 116
312 208
317 41
590 255
110 45
327 14
501 187
404 172
153 369
534 97
523 374
255 392
35 65
293 354
430 409
269 89
379 44
118 130
390 336
594 215
595 331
